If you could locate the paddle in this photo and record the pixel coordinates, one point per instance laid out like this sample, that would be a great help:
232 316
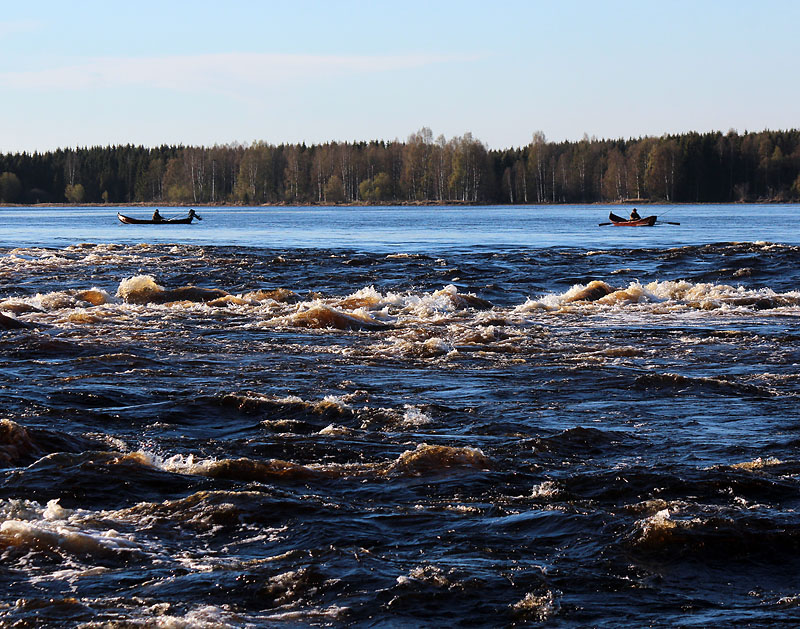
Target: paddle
601 224
174 216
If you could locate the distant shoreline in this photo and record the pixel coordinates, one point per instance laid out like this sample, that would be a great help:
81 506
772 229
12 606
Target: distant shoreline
640 202
684 168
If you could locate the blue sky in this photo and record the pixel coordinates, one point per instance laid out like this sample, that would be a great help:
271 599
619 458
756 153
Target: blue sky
86 73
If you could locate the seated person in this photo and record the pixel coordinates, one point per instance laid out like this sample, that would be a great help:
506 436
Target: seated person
157 217
635 215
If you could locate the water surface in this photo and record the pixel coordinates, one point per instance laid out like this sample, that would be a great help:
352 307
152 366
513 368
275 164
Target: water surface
391 417
417 228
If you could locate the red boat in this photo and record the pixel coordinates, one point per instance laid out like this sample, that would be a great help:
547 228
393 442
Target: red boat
647 221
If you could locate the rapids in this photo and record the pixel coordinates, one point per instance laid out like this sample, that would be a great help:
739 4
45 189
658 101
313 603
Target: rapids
218 436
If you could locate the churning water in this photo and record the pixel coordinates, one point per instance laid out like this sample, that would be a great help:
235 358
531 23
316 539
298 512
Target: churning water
400 417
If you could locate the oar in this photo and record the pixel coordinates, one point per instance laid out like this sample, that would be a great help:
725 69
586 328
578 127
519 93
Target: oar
171 217
668 222
601 224
174 216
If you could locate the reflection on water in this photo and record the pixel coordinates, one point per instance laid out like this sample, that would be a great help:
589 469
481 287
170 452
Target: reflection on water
412 229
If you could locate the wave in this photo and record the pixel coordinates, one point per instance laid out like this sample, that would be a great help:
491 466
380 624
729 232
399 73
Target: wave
424 460
17 306
29 527
537 607
484 323
720 536
664 297
16 445
290 411
20 445
279 433
583 441
292 414
681 383
143 289
427 459
321 316
156 617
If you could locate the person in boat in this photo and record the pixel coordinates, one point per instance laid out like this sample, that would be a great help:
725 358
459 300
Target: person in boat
157 217
192 215
635 215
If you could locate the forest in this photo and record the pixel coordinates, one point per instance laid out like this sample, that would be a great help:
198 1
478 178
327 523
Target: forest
686 168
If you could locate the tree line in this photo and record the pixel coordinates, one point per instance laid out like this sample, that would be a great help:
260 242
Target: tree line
692 167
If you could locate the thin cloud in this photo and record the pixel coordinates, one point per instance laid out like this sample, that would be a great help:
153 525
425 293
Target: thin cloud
19 27
192 73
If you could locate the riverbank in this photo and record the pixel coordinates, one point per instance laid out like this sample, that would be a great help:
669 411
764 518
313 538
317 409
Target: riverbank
411 204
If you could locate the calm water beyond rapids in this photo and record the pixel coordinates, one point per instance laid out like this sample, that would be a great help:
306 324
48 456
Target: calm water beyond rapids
391 417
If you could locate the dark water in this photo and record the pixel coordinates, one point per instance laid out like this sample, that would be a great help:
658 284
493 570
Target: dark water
418 426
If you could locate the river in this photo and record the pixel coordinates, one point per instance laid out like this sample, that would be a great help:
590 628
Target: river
400 417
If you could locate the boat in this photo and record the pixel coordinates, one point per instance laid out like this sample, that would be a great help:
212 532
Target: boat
647 221
167 221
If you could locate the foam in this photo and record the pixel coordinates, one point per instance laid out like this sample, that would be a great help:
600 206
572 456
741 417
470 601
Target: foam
334 430
547 489
656 528
428 574
28 525
367 297
661 296
414 418
757 464
202 617
58 300
536 607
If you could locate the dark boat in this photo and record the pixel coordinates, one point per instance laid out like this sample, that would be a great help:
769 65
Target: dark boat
167 221
647 221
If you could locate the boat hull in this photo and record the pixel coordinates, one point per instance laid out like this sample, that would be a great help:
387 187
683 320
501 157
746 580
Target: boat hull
148 221
647 221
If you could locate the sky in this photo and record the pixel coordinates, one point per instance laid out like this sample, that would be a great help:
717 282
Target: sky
88 73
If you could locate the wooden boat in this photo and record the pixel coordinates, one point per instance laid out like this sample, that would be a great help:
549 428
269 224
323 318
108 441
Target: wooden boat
647 221
149 221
